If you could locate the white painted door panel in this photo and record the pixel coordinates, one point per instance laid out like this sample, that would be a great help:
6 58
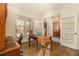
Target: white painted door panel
68 30
78 31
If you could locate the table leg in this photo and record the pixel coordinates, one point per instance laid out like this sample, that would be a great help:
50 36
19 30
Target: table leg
36 43
51 43
29 41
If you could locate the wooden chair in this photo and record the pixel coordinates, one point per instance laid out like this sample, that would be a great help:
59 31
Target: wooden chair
46 43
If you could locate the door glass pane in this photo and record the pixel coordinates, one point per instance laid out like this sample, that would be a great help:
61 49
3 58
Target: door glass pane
27 28
19 27
24 26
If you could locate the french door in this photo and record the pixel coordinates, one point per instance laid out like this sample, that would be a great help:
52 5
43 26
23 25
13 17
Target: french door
69 31
24 26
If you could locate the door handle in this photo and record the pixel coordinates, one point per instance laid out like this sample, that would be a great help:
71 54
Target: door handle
75 33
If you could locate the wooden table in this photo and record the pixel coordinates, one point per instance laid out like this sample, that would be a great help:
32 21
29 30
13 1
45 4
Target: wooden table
42 40
34 38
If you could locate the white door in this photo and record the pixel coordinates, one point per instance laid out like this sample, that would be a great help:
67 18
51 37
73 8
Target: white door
78 31
68 31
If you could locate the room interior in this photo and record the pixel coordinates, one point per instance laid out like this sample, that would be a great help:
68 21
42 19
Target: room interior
39 29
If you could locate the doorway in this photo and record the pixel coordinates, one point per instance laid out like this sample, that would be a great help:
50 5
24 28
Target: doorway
56 28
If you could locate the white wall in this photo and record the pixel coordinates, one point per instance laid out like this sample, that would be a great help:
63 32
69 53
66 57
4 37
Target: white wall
10 23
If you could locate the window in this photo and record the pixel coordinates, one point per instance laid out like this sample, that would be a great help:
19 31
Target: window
24 25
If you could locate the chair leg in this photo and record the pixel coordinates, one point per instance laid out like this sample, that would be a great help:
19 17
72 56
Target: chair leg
44 50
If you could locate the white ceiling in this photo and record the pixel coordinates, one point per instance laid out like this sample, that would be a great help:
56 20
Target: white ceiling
39 9
31 6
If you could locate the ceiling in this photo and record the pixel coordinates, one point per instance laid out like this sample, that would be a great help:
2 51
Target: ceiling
40 9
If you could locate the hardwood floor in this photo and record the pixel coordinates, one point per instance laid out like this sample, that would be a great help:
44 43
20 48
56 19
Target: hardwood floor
57 50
